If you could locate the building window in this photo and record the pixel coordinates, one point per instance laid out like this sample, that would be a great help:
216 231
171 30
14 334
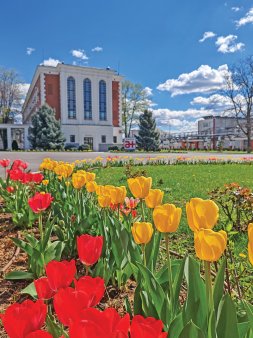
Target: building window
103 139
114 139
71 89
102 100
87 99
89 141
72 138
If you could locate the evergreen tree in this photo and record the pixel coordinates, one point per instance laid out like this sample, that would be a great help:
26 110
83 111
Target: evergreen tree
148 138
45 131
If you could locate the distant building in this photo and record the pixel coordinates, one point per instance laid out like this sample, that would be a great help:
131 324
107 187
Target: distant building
87 101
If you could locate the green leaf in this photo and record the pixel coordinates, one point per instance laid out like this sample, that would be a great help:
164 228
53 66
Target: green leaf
23 245
52 327
227 319
219 285
244 330
192 331
30 290
16 275
54 251
196 306
127 306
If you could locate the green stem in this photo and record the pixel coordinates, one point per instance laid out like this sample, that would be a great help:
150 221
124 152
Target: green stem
41 226
142 210
143 246
169 269
209 289
119 212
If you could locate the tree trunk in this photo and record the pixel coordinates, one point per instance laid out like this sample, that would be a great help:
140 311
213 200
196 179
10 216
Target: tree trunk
249 142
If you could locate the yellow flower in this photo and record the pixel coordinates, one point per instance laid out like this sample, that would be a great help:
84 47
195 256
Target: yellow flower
210 245
91 186
64 169
67 183
90 176
48 164
167 217
140 186
78 180
250 244
45 182
201 214
154 198
242 255
142 232
104 201
118 194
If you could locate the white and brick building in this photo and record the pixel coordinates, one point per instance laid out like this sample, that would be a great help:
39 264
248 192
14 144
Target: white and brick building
87 101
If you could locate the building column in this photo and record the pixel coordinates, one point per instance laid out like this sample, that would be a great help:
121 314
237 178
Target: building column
9 140
26 142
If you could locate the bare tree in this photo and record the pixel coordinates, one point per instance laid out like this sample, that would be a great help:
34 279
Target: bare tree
239 90
134 100
10 93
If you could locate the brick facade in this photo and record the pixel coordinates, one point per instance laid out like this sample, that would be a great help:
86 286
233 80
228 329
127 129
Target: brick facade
115 103
52 93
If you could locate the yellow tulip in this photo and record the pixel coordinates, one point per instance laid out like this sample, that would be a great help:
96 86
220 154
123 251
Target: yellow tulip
201 214
45 182
64 169
91 186
78 180
167 217
100 189
210 245
118 194
104 201
250 244
142 232
154 198
90 177
140 186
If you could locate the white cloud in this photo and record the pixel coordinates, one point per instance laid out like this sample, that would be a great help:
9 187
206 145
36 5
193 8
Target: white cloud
97 49
228 44
235 9
203 80
30 50
24 87
148 91
248 18
50 62
79 53
207 35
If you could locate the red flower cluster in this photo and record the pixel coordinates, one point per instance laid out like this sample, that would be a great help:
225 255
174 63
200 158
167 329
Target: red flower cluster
10 189
127 208
40 202
24 177
25 320
89 249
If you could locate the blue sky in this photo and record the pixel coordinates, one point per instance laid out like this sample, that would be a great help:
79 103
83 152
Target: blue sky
150 42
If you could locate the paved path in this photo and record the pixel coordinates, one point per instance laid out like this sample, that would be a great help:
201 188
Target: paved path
34 158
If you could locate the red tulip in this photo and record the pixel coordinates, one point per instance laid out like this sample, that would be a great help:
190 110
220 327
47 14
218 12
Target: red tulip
21 319
68 304
94 287
147 328
89 248
17 164
43 288
10 189
39 334
60 274
5 163
32 177
96 324
15 174
40 202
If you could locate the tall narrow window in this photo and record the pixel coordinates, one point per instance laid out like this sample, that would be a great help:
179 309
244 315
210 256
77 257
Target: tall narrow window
71 88
87 99
102 100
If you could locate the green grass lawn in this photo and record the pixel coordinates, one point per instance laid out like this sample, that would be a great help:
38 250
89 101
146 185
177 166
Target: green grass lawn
182 182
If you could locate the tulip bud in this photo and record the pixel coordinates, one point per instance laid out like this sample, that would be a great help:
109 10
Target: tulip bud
201 214
140 186
154 198
167 217
142 232
210 245
250 244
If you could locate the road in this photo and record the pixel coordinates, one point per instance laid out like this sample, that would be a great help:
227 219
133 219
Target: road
34 158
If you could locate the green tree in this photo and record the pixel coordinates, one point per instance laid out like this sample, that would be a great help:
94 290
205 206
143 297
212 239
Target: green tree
45 131
148 138
134 100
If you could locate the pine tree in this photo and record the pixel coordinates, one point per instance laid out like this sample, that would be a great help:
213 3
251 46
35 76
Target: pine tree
148 138
45 131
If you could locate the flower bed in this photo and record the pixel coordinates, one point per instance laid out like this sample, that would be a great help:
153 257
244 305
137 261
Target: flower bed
113 239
